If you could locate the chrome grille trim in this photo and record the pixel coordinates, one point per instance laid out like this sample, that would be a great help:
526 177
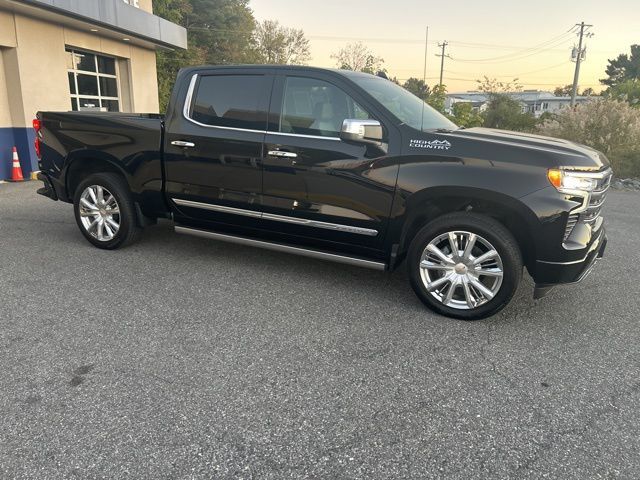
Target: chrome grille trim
571 223
589 212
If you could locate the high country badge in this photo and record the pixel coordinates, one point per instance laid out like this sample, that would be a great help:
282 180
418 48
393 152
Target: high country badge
433 144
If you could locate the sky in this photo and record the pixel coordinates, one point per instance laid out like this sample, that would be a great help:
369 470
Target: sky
501 39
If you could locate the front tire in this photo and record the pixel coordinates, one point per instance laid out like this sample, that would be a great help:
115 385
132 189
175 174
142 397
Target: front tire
464 265
105 212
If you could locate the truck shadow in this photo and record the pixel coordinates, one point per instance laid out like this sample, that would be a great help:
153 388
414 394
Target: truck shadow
391 287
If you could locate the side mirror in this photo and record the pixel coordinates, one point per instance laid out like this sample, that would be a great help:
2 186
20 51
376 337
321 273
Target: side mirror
361 131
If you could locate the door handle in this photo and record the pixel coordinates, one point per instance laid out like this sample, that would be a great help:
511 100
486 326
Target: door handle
183 144
282 154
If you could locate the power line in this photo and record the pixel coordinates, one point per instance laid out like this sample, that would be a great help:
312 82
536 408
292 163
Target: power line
383 39
515 56
516 75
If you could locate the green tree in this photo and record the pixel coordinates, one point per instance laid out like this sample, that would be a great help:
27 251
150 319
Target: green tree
358 57
168 62
464 115
220 32
563 91
505 113
624 67
437 97
418 87
567 90
172 10
493 85
627 91
276 44
223 29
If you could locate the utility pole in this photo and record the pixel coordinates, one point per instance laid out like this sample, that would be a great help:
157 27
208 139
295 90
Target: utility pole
576 74
426 47
442 45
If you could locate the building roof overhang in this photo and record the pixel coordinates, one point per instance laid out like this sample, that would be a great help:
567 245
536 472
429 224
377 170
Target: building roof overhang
111 18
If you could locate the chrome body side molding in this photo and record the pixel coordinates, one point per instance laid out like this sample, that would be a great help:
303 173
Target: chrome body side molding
217 208
318 224
278 218
279 247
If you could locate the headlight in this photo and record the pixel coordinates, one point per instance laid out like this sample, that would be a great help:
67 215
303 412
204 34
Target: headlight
571 182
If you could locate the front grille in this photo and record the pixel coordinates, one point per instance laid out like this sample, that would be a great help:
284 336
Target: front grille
571 222
591 213
596 200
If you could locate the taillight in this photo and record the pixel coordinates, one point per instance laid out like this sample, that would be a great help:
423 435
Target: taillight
36 143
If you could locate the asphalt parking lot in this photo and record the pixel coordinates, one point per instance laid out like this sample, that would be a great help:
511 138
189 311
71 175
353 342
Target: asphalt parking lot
180 357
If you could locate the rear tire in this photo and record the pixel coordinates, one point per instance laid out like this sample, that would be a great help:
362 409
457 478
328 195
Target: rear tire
464 265
105 212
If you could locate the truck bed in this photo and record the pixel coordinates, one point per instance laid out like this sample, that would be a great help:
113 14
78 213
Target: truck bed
127 142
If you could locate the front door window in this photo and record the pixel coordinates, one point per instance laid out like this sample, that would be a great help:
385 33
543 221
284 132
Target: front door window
315 107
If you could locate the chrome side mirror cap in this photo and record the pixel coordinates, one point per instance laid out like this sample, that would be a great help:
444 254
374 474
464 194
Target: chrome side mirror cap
361 131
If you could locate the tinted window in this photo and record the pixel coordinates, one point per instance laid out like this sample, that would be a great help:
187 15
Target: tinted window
231 101
315 107
106 65
85 61
108 87
408 108
87 84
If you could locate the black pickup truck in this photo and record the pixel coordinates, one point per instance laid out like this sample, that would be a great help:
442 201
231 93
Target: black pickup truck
341 166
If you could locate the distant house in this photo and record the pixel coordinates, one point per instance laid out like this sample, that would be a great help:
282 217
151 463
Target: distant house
535 102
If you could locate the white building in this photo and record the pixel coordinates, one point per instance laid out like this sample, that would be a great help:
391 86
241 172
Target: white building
535 102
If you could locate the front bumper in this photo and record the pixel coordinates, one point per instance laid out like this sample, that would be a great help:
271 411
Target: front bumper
549 274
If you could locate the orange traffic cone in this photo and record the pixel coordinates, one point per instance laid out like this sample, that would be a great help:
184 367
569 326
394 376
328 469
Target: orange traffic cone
16 172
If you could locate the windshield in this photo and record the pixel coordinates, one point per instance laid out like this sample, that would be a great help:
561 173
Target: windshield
403 104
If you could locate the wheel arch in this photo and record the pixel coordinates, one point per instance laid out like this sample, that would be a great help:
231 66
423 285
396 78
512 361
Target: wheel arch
82 164
427 205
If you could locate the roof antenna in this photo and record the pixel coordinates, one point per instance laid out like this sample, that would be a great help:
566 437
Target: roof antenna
424 75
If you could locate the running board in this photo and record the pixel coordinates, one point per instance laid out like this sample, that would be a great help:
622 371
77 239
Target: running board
280 247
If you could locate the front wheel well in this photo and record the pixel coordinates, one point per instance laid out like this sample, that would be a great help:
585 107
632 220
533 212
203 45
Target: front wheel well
504 214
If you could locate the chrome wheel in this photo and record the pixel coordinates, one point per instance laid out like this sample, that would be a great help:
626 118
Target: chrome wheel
99 212
461 270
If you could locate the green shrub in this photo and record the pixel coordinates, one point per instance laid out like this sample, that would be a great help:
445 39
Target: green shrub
610 126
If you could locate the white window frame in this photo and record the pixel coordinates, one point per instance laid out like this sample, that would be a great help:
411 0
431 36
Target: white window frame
99 98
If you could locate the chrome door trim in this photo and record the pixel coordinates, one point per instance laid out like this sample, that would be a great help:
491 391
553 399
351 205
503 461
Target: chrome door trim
320 137
217 208
338 227
279 247
186 113
318 224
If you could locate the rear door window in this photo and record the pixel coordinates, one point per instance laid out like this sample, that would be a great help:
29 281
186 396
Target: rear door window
236 101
